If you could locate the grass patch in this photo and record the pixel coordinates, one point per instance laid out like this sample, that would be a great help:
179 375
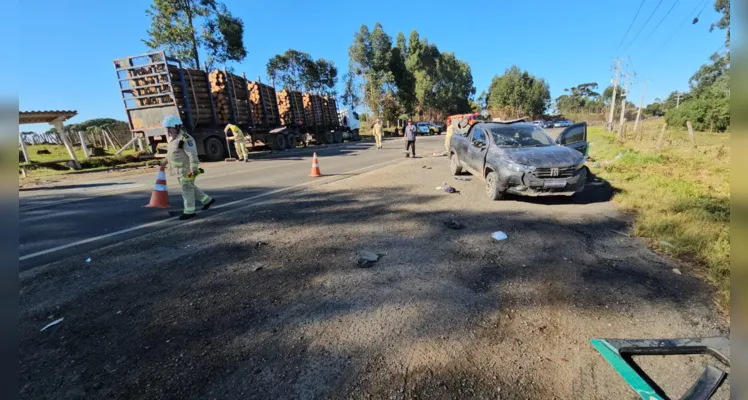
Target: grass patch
128 158
680 194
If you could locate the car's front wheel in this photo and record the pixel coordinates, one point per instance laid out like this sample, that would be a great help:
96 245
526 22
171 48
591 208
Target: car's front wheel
454 165
492 186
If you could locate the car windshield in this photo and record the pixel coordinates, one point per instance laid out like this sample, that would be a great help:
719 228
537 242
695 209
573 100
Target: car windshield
519 136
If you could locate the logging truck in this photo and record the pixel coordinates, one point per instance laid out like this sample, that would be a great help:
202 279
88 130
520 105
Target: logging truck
153 86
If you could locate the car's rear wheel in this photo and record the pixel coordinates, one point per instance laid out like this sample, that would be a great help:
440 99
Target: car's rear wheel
492 186
454 165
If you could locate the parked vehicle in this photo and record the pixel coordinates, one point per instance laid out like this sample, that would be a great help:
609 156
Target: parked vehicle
423 128
538 123
520 158
153 86
435 129
562 124
547 124
350 123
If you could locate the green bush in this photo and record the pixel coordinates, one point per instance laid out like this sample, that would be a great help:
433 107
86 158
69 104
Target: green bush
705 114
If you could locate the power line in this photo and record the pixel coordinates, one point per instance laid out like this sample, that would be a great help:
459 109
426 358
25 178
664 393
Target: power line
631 24
663 19
645 24
688 16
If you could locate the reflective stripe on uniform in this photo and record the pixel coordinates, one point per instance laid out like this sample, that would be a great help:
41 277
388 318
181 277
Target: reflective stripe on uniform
205 199
189 210
177 164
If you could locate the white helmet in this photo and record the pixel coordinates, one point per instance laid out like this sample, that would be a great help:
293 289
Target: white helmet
171 121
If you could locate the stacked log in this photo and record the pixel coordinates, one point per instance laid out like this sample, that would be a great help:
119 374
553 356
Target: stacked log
147 81
229 94
197 95
314 109
331 111
291 107
264 104
155 79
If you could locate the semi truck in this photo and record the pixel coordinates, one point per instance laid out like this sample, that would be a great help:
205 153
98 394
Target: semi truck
154 85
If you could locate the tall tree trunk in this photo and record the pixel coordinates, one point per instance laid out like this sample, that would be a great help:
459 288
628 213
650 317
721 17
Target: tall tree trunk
188 11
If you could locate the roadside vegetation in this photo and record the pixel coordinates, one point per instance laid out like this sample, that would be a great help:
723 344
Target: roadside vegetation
680 195
54 152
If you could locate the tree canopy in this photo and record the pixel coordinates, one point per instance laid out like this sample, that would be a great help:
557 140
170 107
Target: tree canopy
187 28
412 76
518 93
296 70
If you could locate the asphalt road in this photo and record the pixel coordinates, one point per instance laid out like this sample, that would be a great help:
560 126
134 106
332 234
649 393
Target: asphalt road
62 221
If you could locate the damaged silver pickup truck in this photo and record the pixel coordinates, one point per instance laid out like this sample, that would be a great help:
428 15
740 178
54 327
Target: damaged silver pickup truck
520 158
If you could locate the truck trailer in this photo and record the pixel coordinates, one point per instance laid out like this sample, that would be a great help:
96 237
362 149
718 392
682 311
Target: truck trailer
153 86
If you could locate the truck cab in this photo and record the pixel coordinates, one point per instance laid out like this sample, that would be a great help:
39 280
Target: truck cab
349 120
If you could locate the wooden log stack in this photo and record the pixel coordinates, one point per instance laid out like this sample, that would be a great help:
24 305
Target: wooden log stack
331 111
264 103
145 82
291 108
197 95
229 94
314 109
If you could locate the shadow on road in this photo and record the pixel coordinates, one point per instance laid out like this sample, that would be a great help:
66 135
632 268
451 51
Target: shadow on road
268 302
76 186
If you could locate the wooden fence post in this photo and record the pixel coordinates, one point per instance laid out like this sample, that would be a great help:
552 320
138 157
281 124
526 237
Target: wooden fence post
690 133
662 135
82 136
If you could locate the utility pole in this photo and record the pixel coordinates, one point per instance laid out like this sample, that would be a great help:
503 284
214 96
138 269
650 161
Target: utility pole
641 104
624 100
613 99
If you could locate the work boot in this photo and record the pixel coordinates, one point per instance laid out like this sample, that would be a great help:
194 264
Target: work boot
186 216
208 204
247 160
407 155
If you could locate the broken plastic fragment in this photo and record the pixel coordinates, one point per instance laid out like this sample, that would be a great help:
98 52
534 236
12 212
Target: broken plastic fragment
53 323
88 259
499 235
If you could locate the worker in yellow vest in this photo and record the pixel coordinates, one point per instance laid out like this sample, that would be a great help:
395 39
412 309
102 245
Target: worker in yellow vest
240 142
182 161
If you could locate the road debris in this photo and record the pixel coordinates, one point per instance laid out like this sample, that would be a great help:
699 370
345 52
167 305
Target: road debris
463 178
88 260
618 156
367 258
677 271
53 323
450 189
452 224
499 235
620 233
666 243
439 188
260 244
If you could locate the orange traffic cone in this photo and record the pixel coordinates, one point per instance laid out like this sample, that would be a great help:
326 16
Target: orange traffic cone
159 196
315 167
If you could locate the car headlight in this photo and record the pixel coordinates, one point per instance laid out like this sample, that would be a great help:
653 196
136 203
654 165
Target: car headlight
519 167
579 165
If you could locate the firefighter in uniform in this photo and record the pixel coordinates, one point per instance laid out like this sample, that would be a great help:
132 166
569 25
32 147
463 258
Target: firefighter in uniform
240 142
182 160
378 133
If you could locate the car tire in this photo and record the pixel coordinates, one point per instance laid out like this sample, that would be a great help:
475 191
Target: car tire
454 165
492 186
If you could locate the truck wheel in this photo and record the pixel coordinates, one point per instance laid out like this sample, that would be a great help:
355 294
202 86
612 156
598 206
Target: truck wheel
338 137
492 186
291 141
356 136
329 138
279 142
454 165
214 149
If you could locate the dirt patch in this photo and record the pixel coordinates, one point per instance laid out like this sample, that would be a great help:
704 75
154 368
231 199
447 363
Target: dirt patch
202 311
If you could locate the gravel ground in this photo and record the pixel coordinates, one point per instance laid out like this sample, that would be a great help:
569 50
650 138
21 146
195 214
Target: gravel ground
268 301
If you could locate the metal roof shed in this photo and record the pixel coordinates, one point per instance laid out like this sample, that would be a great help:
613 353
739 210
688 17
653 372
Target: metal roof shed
55 118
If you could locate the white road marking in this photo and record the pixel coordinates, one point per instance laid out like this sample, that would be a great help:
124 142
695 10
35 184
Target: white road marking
155 223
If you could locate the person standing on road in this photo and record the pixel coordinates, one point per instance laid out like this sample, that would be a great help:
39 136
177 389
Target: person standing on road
182 149
240 142
450 132
410 138
377 130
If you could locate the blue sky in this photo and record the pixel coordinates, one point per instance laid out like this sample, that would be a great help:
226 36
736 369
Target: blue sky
67 47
